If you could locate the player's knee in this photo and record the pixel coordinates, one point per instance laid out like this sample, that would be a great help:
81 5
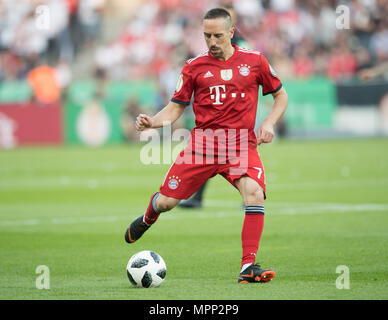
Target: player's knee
254 196
165 203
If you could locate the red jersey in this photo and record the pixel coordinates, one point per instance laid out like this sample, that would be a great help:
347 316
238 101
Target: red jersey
226 92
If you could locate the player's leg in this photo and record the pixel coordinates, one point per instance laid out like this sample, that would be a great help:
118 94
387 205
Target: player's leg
180 182
251 191
251 184
158 204
253 196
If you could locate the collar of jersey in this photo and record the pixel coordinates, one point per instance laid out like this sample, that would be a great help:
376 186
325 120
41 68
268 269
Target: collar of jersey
231 57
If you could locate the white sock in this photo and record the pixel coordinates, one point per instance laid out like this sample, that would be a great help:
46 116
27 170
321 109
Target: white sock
245 266
144 221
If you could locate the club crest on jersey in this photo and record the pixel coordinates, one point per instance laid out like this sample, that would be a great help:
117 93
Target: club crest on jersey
173 182
244 70
226 74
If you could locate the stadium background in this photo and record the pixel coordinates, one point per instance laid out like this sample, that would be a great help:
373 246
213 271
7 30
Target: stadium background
70 90
101 62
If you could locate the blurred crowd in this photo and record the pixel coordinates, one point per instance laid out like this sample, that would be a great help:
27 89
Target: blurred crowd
40 39
301 38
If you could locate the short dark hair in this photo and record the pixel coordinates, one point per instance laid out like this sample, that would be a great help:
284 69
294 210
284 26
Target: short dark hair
217 13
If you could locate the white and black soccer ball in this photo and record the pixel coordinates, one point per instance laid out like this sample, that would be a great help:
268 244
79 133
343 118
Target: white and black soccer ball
146 269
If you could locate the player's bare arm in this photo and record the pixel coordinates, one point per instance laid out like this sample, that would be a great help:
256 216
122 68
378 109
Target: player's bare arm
266 131
168 115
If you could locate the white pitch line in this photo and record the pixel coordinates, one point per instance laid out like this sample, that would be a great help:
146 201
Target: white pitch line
128 182
234 209
305 206
68 220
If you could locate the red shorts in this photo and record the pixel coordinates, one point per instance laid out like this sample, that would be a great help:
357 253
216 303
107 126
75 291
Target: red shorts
184 179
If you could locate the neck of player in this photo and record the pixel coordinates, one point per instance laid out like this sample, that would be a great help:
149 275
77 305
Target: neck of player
228 53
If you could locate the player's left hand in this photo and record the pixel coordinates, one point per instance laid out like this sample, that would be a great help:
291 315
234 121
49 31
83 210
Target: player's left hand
265 133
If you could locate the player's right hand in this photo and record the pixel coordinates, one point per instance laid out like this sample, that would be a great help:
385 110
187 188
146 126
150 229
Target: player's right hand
143 122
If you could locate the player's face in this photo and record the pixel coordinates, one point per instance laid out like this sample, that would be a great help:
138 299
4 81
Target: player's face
218 34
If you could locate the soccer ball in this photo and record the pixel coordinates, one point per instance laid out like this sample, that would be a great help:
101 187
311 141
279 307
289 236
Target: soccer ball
146 269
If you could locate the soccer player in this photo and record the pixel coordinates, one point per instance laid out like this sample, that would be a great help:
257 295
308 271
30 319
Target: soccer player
195 201
225 82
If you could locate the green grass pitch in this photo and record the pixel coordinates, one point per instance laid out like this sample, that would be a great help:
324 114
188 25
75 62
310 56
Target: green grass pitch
67 208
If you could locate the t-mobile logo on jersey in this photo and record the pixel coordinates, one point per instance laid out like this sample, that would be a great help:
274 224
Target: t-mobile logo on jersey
218 95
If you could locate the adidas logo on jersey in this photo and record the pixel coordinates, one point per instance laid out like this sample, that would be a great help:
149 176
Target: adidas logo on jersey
208 75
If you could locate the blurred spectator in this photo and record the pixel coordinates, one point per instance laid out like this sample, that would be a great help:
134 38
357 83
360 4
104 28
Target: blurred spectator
363 58
379 41
21 41
374 72
303 65
63 74
342 63
90 18
101 82
238 39
44 82
60 46
128 119
299 37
